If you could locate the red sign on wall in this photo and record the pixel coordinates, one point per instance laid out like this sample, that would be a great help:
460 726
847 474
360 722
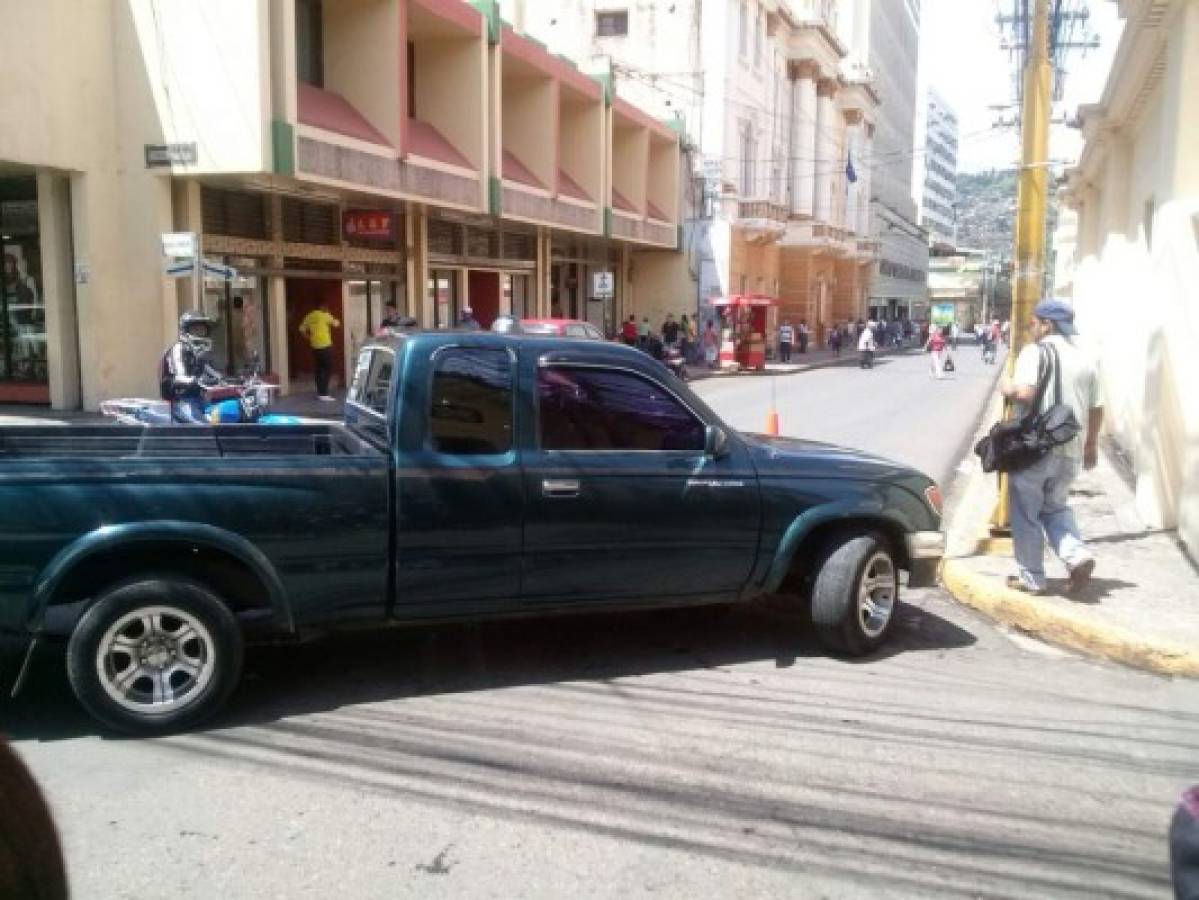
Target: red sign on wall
371 224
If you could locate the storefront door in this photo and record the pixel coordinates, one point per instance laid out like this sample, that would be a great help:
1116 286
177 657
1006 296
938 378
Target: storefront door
484 291
24 375
303 296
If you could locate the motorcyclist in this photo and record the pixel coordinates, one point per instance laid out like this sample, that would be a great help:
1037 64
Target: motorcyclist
185 370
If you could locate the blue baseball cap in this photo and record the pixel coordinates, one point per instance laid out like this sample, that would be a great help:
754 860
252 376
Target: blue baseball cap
1059 313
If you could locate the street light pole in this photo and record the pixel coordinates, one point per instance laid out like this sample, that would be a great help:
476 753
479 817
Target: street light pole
1031 204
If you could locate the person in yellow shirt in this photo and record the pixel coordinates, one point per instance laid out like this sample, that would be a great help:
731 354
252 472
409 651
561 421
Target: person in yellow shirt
317 327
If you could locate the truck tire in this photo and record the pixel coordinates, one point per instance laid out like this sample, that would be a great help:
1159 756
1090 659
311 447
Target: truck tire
856 594
155 654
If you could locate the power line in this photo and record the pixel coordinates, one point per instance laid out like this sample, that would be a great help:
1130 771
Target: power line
878 160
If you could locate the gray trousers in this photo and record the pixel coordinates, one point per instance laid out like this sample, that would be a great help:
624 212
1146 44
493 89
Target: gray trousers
1037 500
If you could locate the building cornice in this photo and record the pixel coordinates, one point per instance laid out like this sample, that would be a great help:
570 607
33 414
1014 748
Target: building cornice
1135 73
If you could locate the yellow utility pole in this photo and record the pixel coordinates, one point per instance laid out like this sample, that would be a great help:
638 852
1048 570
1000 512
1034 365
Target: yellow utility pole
1032 197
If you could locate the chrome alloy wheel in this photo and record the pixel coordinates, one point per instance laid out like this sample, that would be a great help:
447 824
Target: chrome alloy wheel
155 660
876 594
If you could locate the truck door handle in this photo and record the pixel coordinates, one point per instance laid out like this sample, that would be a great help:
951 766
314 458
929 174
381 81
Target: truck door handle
559 487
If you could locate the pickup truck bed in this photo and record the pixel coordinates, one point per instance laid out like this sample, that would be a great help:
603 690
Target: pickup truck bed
183 441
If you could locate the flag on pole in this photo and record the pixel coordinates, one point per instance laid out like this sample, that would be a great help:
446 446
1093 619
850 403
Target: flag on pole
850 174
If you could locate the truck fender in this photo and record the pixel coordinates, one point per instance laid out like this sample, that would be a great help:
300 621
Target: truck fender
808 521
109 537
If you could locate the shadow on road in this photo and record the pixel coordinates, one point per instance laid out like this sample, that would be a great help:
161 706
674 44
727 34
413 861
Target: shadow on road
347 668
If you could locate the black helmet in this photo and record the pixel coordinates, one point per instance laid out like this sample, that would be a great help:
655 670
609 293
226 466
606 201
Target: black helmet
195 331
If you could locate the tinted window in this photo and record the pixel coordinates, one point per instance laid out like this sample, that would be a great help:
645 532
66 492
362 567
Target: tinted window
576 331
606 409
592 332
538 328
471 409
372 380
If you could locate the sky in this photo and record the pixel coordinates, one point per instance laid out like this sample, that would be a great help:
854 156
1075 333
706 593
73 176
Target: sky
961 59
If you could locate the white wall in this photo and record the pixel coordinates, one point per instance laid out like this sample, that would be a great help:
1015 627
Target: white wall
1134 289
208 69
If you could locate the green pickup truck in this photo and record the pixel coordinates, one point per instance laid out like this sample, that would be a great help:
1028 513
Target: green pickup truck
475 475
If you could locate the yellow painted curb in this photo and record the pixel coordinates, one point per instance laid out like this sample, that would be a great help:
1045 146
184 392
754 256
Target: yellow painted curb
993 598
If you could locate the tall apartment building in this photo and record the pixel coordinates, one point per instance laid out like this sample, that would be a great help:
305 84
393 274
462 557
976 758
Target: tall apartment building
779 110
417 152
936 166
899 286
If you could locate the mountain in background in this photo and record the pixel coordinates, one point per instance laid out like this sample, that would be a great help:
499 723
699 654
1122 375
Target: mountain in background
987 216
987 211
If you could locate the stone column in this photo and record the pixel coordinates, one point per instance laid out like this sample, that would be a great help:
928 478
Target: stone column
826 141
803 139
58 289
853 190
864 180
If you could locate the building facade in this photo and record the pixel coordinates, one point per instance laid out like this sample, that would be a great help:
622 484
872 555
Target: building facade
348 152
899 285
936 168
779 118
1136 256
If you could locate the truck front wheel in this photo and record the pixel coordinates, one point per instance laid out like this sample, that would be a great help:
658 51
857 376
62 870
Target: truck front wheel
155 654
856 594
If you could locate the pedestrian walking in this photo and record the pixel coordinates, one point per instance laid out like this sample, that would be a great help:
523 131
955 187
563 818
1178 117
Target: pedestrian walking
1184 846
991 335
711 342
318 327
670 331
866 346
954 331
643 333
686 337
834 340
786 339
935 346
628 331
805 335
1038 495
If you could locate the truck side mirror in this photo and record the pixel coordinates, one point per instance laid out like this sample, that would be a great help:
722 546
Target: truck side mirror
716 442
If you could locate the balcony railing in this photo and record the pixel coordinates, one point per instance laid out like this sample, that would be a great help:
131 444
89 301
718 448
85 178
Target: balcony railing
762 209
816 12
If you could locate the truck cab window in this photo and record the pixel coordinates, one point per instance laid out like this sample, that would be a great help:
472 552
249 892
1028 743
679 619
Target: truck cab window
610 409
371 386
471 402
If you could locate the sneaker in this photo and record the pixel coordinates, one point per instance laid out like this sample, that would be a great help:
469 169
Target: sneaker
1015 583
1080 575
326 398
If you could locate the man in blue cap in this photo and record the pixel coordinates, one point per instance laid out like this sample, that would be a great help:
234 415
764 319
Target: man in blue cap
1038 495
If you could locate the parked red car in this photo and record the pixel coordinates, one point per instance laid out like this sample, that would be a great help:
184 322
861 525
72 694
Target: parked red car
571 328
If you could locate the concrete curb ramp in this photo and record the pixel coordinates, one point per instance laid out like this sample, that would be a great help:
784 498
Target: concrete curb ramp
972 500
1023 612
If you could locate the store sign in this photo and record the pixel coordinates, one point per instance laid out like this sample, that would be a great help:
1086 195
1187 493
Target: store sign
942 314
603 285
161 155
370 224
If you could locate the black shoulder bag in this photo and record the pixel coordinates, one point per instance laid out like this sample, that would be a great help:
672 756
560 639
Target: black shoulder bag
1015 444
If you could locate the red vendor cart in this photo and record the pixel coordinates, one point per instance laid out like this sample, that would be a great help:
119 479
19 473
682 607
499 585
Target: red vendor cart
748 318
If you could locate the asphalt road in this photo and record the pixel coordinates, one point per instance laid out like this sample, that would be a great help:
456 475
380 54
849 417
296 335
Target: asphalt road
895 409
681 754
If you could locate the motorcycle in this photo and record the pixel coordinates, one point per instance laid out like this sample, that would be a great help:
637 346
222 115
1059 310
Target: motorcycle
670 356
232 401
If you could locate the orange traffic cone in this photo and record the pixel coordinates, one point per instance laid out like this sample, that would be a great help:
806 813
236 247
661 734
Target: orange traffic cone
772 417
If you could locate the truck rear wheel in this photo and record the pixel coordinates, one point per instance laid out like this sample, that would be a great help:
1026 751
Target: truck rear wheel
856 594
153 655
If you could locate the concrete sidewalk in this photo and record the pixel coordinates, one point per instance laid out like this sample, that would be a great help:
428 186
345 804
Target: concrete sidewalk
1141 608
801 362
